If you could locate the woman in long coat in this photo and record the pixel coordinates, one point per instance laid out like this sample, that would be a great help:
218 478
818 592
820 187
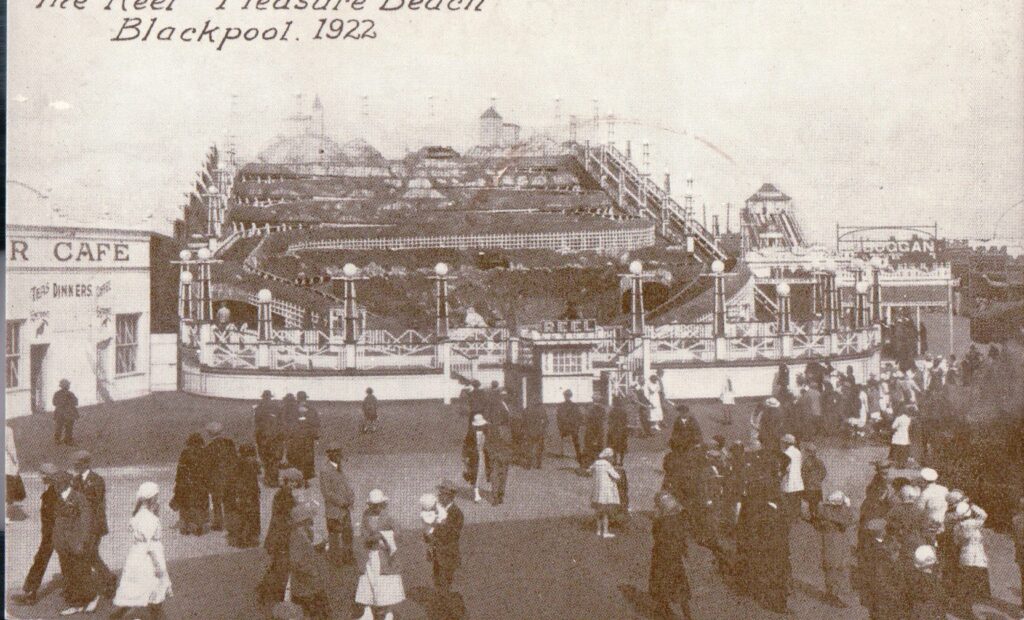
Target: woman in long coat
243 500
605 498
668 582
274 583
380 586
191 499
302 428
145 583
834 518
618 429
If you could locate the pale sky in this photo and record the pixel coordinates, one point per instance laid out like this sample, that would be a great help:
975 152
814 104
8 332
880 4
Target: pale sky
863 111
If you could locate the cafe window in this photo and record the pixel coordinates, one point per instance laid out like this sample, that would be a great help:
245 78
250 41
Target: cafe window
566 362
13 354
127 343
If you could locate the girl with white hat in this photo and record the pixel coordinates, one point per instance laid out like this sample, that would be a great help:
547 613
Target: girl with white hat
605 498
145 583
380 586
972 576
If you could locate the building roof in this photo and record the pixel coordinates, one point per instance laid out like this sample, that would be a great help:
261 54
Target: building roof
768 193
491 113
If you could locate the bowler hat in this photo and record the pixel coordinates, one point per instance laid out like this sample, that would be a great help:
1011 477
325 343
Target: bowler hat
267 395
772 402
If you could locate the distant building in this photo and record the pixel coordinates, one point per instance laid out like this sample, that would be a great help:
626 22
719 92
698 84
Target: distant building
509 134
490 128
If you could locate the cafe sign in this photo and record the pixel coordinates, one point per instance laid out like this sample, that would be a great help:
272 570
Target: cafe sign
71 253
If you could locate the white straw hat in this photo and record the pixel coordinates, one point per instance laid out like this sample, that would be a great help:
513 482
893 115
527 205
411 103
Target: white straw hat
479 420
377 497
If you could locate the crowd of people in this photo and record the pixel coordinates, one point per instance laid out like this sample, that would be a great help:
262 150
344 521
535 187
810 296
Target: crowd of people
914 549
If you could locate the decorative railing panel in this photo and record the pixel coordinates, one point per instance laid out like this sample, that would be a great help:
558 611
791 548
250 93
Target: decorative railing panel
682 349
240 356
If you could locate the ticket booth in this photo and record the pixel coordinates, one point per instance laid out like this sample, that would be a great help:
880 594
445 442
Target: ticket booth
563 360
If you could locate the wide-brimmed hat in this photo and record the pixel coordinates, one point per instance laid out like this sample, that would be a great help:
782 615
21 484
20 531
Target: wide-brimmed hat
787 438
963 509
772 402
376 497
925 556
929 475
876 525
147 490
214 428
607 453
954 497
479 420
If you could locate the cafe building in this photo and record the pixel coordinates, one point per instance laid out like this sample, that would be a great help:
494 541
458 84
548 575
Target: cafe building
77 308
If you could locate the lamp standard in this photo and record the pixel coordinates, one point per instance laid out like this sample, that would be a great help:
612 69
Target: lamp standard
441 278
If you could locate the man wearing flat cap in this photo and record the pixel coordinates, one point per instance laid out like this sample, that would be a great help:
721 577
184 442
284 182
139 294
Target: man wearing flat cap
219 457
307 580
338 499
47 514
73 535
94 488
443 541
65 412
569 420
269 436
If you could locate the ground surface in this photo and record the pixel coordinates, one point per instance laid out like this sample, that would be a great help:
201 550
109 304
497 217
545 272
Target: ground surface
534 557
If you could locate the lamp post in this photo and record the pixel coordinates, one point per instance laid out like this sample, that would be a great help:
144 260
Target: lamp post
782 292
718 273
441 278
185 295
204 309
264 323
636 307
349 275
861 308
876 289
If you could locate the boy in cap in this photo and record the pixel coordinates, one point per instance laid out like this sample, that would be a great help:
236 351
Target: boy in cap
307 582
65 412
338 500
94 488
47 514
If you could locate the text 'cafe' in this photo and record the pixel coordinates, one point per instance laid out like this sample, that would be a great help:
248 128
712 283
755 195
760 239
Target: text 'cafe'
78 308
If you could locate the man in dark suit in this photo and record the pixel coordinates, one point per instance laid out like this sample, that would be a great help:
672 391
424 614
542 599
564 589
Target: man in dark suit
569 420
535 428
47 514
65 412
499 457
94 488
219 460
338 499
267 420
444 540
73 534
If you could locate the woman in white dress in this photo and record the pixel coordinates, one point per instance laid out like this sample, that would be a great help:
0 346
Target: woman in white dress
144 583
728 399
605 498
380 586
652 390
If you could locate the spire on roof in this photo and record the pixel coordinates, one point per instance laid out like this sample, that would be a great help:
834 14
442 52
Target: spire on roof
768 193
491 113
